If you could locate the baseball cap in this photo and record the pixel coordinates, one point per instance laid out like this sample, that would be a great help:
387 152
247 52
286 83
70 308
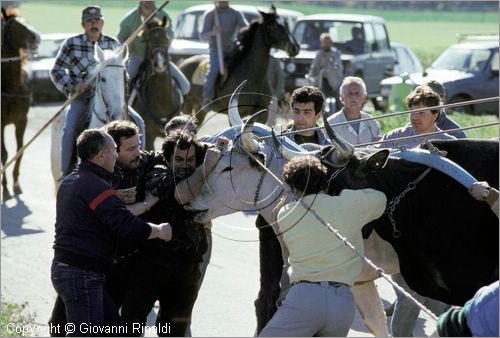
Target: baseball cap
91 12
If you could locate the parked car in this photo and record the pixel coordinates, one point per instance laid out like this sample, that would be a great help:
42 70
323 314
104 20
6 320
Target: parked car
468 71
406 63
38 69
370 56
189 24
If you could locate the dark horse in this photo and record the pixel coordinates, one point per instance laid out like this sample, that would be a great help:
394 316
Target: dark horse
158 99
248 61
17 34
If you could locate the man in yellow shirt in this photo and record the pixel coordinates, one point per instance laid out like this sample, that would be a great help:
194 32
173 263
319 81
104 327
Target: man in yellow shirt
323 269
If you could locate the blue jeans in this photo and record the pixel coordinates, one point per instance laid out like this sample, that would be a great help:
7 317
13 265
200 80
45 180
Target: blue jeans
86 301
77 111
208 88
405 316
134 62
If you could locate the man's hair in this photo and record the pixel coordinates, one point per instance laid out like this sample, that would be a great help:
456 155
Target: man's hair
352 79
179 140
426 96
306 174
308 94
324 36
90 142
437 87
184 122
121 129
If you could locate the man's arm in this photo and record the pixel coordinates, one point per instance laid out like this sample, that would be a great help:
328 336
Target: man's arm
208 26
188 188
59 72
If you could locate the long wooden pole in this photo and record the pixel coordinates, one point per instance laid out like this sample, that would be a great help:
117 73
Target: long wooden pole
74 96
218 40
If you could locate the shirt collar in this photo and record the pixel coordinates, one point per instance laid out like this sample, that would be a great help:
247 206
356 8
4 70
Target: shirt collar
98 170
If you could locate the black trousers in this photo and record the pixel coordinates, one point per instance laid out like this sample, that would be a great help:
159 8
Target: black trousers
174 283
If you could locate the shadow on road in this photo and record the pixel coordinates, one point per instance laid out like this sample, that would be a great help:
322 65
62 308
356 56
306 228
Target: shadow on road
13 218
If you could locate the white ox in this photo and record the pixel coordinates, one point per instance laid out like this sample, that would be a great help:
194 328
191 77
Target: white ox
238 183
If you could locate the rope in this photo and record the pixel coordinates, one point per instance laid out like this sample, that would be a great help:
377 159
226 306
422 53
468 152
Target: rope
74 96
379 271
450 105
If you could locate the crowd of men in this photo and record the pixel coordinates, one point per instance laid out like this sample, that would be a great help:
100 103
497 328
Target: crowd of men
123 239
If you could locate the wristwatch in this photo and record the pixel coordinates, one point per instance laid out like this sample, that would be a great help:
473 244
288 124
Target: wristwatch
486 193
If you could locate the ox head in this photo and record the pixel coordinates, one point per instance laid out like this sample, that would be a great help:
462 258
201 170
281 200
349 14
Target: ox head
232 184
237 182
278 34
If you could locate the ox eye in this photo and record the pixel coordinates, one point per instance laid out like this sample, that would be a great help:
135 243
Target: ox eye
226 169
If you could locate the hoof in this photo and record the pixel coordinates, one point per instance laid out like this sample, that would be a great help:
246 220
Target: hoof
17 189
6 195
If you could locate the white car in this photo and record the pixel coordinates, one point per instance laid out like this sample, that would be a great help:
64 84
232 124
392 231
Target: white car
38 69
189 24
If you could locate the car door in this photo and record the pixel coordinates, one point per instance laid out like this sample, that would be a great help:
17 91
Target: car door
380 59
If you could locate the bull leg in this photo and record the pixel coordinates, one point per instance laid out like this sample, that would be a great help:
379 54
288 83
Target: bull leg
20 129
271 265
5 192
371 308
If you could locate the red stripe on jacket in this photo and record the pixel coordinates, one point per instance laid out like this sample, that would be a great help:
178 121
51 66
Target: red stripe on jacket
101 197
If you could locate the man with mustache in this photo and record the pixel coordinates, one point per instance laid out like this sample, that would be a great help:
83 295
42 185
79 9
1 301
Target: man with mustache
353 97
69 73
171 273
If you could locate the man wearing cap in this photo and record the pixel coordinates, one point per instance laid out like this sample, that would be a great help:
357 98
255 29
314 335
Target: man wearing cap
138 47
70 71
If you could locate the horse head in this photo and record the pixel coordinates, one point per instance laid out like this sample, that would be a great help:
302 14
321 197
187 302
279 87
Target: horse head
17 33
278 34
109 97
157 45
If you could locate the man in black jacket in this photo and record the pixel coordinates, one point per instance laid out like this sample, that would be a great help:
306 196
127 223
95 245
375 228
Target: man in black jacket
89 219
170 272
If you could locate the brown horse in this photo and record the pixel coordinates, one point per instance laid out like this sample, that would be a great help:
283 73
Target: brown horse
158 99
249 62
17 35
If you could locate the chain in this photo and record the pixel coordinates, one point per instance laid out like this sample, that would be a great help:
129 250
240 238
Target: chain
335 174
395 201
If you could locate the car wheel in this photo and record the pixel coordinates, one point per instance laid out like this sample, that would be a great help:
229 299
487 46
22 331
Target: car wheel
469 109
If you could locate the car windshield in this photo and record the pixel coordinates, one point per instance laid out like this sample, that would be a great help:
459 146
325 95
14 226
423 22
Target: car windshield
48 48
466 60
189 25
307 33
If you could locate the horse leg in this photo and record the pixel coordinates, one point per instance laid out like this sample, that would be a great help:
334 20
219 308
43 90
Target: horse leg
5 192
20 129
271 265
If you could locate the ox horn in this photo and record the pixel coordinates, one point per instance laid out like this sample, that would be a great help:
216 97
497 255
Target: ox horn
232 110
343 149
248 142
289 153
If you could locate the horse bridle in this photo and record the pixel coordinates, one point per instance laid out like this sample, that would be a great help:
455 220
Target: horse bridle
98 78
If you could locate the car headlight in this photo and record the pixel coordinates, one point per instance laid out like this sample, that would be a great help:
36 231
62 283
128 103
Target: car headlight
41 74
291 67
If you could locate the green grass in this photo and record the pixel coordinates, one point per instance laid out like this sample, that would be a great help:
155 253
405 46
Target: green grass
463 120
13 314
